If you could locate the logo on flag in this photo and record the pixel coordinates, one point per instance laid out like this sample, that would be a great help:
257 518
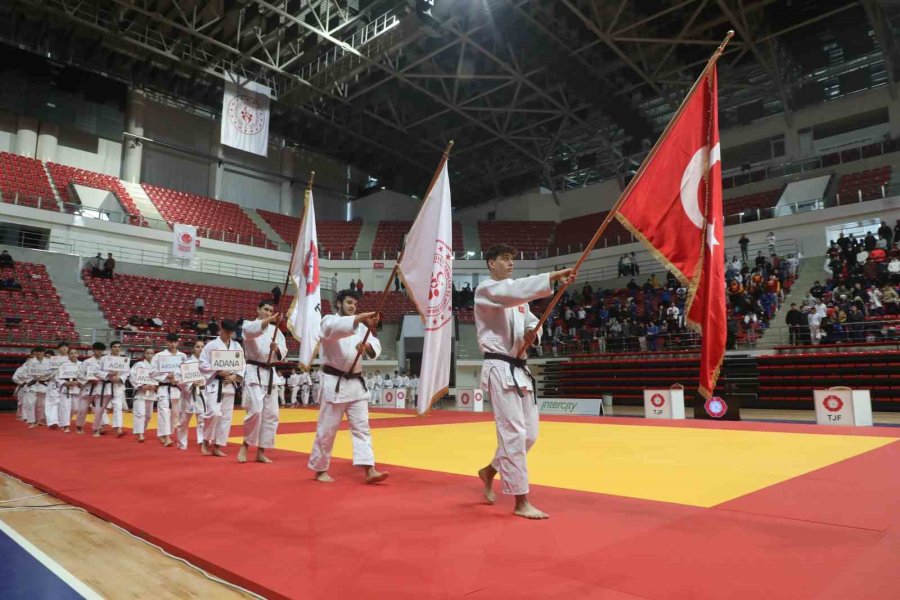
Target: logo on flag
311 269
657 400
246 115
440 292
183 241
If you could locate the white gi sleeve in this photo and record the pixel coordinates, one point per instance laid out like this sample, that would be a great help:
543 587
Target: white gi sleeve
372 341
531 322
513 292
335 327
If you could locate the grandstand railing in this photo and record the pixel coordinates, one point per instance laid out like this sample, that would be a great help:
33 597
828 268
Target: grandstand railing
123 218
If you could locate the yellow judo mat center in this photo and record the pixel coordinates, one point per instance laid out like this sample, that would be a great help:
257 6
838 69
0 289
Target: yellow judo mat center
697 467
284 416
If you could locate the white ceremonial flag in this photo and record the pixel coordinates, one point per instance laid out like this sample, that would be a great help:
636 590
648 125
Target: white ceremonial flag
427 271
245 116
305 315
184 240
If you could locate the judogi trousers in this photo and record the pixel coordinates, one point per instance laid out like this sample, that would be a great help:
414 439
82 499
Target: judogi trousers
517 430
51 409
330 415
217 418
304 395
64 410
40 408
187 409
142 411
294 390
166 395
85 401
29 403
261 420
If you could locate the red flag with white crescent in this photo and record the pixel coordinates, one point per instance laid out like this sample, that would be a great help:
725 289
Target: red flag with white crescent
674 207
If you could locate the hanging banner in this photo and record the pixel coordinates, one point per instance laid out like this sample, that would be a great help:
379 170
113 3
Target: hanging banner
184 240
245 116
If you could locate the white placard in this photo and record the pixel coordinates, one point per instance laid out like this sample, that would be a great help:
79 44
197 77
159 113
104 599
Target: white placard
68 371
116 363
190 372
470 399
141 377
589 407
36 369
170 363
401 397
227 360
843 407
664 403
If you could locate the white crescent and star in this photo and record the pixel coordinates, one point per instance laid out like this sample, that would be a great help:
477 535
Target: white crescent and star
702 161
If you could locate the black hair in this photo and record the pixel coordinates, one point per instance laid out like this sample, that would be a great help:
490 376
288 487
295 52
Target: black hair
228 325
172 337
266 301
38 349
62 344
98 346
347 294
115 343
495 251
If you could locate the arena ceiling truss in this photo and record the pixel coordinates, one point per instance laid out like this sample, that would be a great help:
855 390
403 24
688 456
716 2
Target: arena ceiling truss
556 93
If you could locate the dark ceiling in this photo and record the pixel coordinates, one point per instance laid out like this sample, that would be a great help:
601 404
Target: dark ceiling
559 93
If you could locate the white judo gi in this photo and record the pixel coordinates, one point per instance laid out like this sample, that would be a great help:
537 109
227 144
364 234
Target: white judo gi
260 393
68 394
316 387
192 403
22 379
338 348
40 373
111 393
293 382
306 387
90 390
168 394
501 317
142 411
219 395
53 393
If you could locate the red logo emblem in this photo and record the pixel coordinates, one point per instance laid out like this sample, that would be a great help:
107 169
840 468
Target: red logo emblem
378 265
833 403
388 396
657 400
522 309
186 238
716 407
478 396
311 269
246 115
464 398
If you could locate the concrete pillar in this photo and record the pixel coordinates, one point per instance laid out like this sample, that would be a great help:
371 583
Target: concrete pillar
48 140
287 169
216 167
26 137
133 150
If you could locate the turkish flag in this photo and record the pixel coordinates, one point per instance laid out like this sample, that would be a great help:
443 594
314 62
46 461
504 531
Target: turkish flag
674 206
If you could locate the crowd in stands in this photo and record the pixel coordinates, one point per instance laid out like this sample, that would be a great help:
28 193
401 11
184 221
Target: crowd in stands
859 301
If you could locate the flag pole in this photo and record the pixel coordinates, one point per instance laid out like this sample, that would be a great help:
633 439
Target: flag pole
387 286
529 339
287 280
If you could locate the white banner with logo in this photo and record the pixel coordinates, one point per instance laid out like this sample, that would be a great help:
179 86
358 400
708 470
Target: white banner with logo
245 116
184 240
843 406
664 403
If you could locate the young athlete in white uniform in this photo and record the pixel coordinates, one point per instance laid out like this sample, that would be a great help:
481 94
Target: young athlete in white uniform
90 386
53 390
264 345
144 393
503 323
293 382
192 402
69 389
221 388
344 391
168 394
112 391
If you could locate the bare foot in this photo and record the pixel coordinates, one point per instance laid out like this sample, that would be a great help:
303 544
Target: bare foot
218 452
141 439
261 457
79 430
373 476
204 449
32 426
242 454
487 478
529 512
167 443
120 432
67 430
96 434
324 477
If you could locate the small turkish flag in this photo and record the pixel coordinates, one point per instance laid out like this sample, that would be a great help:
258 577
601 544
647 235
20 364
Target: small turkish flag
674 206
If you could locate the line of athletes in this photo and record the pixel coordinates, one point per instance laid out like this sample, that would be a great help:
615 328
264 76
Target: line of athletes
504 325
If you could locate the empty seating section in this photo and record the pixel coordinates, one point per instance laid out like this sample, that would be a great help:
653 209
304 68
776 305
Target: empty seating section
214 219
26 177
458 243
35 312
389 238
575 233
396 305
866 184
63 175
125 296
529 237
625 379
334 236
733 206
787 380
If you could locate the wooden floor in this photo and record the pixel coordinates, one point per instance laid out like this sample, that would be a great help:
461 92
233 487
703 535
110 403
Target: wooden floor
108 560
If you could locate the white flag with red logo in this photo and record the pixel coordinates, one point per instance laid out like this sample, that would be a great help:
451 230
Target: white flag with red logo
245 116
183 240
304 318
427 272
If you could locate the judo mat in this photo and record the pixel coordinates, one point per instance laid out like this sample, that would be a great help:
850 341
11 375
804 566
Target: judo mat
686 510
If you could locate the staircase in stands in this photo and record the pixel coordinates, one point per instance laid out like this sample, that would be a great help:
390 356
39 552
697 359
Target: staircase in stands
142 201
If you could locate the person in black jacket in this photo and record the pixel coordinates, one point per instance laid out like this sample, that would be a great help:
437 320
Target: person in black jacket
794 320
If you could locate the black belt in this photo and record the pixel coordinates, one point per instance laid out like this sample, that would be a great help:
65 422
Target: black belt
268 366
329 370
514 363
236 385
